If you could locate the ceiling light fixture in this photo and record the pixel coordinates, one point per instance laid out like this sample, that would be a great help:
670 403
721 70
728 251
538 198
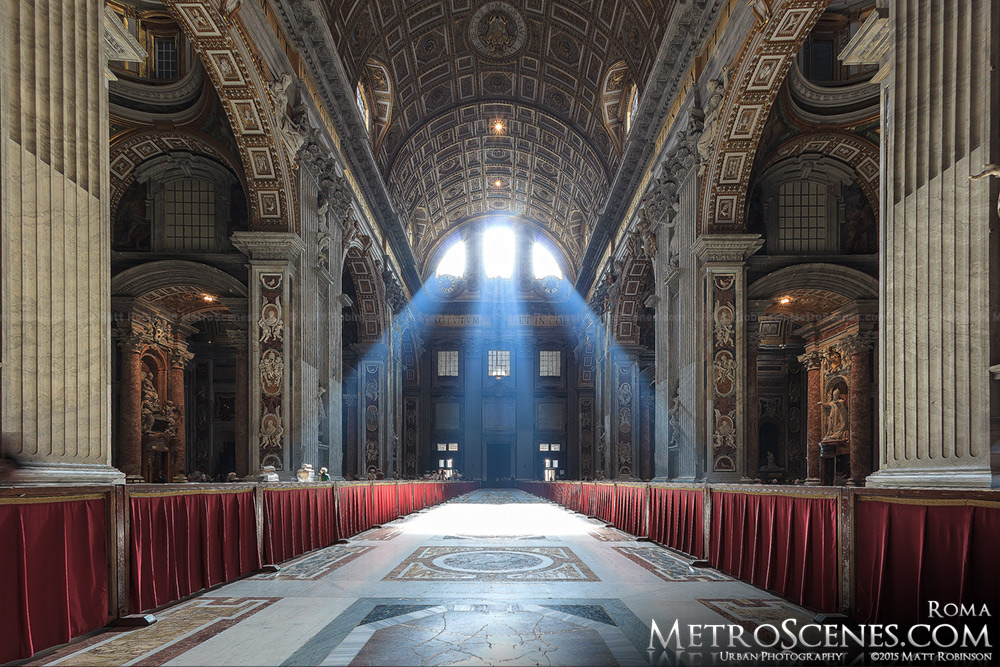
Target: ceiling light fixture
497 183
497 127
785 300
208 298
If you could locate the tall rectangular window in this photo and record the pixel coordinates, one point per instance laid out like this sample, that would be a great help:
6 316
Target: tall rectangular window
189 214
802 217
549 363
448 363
165 54
499 363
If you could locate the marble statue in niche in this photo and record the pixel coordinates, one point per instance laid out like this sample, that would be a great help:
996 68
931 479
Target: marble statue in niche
859 233
150 402
835 418
131 223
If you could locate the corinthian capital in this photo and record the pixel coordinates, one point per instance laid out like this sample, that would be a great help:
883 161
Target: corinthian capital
811 360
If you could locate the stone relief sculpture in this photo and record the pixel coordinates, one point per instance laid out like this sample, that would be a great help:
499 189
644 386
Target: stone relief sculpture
271 431
835 418
713 107
291 134
725 329
271 326
673 419
272 366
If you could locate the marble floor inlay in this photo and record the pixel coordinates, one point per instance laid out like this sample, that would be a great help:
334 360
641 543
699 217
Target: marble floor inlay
493 564
178 629
378 535
316 564
748 613
495 577
486 497
611 535
485 633
667 567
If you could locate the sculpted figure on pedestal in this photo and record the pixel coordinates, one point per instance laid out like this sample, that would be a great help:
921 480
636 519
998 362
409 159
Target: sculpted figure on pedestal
834 417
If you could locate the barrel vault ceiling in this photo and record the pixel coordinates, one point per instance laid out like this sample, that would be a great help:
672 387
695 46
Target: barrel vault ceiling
537 66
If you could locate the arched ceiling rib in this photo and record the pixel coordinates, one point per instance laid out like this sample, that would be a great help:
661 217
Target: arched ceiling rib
538 65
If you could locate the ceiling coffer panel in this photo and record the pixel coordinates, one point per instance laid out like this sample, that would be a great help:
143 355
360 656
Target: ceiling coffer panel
538 66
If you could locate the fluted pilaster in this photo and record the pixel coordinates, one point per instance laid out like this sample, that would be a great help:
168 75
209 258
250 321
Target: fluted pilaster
938 259
55 240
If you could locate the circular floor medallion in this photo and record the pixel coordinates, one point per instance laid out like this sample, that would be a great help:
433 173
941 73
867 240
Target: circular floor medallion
492 562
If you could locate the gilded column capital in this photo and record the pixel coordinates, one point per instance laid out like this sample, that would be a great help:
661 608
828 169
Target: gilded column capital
860 343
179 357
132 342
811 360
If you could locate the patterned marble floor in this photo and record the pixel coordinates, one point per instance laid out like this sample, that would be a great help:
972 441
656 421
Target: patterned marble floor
496 577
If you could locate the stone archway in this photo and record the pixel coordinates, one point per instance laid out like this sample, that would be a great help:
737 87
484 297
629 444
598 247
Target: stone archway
813 329
157 308
257 111
733 127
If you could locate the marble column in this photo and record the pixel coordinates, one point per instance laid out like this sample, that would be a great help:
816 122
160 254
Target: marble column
665 270
752 470
241 411
860 409
812 363
723 331
273 259
130 408
175 380
939 260
55 334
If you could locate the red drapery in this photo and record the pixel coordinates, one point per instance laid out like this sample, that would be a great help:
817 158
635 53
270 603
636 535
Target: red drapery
628 509
907 554
787 544
297 521
385 501
354 509
53 572
676 519
405 498
186 541
603 494
588 498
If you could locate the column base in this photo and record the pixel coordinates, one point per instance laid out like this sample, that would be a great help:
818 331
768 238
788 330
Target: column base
943 478
135 479
689 479
74 474
724 478
812 481
180 479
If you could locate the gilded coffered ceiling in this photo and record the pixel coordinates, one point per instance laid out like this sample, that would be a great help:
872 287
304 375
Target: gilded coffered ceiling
537 66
